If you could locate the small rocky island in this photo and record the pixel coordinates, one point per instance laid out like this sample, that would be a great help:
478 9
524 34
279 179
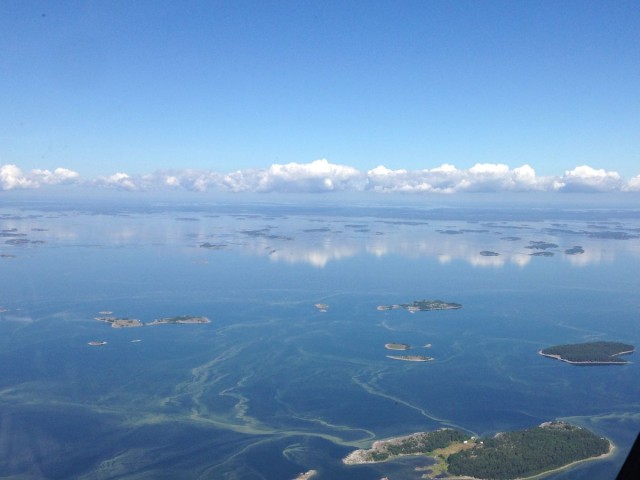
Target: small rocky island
397 346
322 307
590 353
422 306
520 454
411 358
406 358
117 322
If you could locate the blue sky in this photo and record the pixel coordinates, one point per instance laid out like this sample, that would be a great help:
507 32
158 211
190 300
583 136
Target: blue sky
96 89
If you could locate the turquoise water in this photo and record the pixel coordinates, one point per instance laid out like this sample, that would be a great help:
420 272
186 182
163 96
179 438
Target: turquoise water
273 387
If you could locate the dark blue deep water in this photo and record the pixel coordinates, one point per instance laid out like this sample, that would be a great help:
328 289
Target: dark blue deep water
273 386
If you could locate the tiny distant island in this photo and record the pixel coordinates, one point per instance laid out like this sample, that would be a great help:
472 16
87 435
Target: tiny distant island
520 454
590 353
321 307
542 254
540 245
406 358
411 358
397 346
422 306
180 319
117 322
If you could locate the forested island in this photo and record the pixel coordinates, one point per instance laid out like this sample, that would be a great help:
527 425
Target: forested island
422 443
540 245
590 353
422 306
117 322
542 254
505 456
180 319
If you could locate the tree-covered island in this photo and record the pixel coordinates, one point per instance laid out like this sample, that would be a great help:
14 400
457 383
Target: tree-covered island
540 245
520 454
421 443
590 353
117 322
422 306
180 319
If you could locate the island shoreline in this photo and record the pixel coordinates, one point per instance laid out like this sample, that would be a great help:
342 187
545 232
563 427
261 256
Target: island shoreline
365 456
587 363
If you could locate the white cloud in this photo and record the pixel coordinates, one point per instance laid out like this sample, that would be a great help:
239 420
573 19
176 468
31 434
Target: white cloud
59 175
489 170
525 174
632 185
323 176
172 181
11 177
499 177
587 179
119 180
317 176
444 168
441 179
448 179
195 180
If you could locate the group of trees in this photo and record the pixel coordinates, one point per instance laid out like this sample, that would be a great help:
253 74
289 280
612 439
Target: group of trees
431 305
419 443
527 452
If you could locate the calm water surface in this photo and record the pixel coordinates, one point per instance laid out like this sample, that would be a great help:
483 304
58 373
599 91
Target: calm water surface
273 386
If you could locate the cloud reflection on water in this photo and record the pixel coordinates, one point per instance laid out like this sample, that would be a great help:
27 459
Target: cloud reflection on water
305 239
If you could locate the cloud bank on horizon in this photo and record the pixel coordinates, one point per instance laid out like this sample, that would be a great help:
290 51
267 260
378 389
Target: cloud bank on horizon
322 176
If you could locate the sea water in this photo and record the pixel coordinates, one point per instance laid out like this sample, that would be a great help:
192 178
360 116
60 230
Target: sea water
275 386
